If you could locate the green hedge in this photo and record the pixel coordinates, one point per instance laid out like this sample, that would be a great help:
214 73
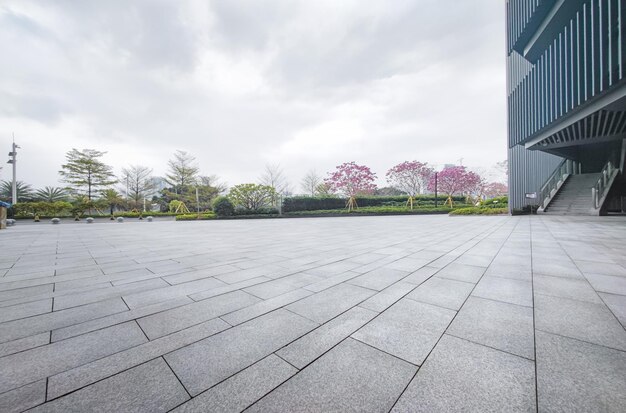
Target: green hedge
372 211
480 211
261 211
129 214
498 202
307 203
194 217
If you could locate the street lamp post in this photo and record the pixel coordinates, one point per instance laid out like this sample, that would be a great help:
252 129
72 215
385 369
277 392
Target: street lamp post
13 160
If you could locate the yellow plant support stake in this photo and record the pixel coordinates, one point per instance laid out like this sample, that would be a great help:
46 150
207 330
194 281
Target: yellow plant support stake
409 202
351 204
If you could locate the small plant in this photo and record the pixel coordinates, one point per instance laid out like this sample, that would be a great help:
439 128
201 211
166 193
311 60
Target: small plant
223 206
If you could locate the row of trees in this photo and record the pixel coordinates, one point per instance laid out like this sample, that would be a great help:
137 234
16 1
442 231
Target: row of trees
92 184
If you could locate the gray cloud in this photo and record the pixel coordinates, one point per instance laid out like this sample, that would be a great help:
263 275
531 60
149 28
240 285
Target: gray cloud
245 83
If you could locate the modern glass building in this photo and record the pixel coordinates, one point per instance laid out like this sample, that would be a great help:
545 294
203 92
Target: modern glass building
566 86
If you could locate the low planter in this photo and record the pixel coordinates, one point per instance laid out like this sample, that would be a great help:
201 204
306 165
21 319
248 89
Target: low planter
55 221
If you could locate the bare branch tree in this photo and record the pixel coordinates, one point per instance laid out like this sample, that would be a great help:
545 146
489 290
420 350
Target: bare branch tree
139 183
274 176
310 182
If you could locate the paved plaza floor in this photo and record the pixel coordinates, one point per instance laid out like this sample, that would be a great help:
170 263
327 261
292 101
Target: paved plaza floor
363 314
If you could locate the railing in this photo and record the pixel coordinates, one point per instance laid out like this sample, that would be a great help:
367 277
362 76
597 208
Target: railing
553 182
599 190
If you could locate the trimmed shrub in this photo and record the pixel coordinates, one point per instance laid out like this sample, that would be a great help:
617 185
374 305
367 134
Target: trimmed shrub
372 211
498 202
261 211
223 207
194 217
307 203
480 211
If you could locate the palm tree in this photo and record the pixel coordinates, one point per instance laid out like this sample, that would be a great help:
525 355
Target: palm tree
51 194
112 199
24 191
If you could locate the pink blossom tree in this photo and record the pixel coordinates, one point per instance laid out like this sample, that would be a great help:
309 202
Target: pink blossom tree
455 180
410 177
494 189
351 180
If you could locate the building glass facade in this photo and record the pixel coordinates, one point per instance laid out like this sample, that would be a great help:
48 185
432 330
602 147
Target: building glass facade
566 86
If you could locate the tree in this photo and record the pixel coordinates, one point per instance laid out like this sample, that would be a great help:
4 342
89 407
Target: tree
51 194
351 180
310 182
139 184
214 182
324 190
85 173
503 167
494 189
252 197
24 191
112 199
388 191
183 171
455 180
274 177
410 177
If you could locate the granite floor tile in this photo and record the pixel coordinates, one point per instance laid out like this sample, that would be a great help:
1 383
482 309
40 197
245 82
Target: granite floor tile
503 326
12 330
169 321
461 376
558 268
312 345
506 290
144 298
442 292
150 387
585 321
408 330
461 272
74 300
117 318
607 283
23 398
384 299
282 285
352 377
70 380
617 305
31 365
509 271
243 389
205 363
25 343
421 275
264 307
379 278
29 309
603 268
323 306
577 376
574 289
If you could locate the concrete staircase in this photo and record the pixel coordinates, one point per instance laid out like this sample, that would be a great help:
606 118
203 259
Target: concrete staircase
574 196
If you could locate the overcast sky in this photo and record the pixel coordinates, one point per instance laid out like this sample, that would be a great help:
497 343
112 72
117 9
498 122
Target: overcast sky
240 84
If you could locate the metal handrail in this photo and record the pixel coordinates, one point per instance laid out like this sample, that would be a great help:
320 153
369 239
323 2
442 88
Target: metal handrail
553 182
598 191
